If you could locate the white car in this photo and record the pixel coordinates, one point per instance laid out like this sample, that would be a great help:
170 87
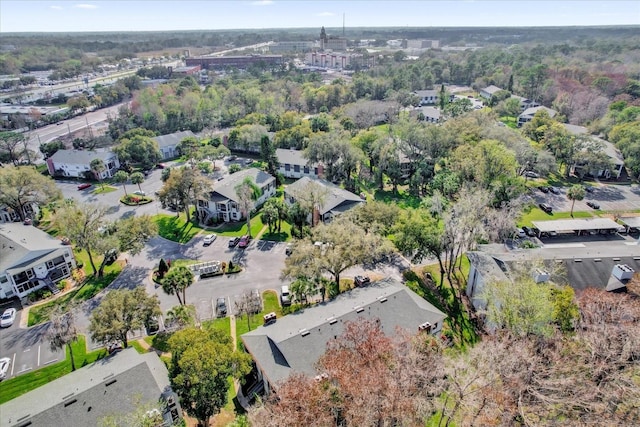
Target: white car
4 367
139 193
8 317
209 239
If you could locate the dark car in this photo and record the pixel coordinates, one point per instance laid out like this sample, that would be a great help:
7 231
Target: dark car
543 189
588 189
529 231
288 250
233 242
221 307
161 166
361 280
83 186
593 205
554 190
545 207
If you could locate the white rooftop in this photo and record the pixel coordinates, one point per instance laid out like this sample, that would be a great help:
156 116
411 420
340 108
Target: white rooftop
576 224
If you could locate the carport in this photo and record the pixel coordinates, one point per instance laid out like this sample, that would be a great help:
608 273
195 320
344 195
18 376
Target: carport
576 225
630 222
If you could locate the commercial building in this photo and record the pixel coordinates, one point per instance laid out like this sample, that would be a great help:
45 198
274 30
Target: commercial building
239 62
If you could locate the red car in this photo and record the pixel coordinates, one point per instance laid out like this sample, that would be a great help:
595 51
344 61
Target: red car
83 186
244 242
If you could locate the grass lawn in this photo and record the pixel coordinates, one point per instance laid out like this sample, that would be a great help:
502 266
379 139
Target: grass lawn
103 189
176 228
237 229
283 236
224 324
537 214
138 347
402 199
24 383
269 303
89 289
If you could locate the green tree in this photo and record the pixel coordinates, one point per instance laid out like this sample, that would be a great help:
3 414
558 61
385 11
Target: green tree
185 186
122 311
298 216
268 155
12 146
137 178
182 316
270 217
565 310
62 332
80 223
189 147
162 268
176 282
121 177
575 192
22 186
234 167
201 363
343 245
138 147
248 192
98 167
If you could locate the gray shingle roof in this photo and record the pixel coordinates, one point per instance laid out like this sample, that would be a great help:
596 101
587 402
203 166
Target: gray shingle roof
491 89
81 157
280 348
337 199
226 188
531 111
292 157
426 93
172 139
110 386
21 244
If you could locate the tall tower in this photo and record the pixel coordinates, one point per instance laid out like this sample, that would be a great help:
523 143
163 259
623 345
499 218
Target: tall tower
323 38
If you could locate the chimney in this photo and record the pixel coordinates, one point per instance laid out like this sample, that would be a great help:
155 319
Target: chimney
622 272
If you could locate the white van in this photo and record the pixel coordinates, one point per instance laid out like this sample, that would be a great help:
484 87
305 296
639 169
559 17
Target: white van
285 297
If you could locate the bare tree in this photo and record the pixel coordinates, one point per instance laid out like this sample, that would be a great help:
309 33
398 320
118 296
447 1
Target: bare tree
62 332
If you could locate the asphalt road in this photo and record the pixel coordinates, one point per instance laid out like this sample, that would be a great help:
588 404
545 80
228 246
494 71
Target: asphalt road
28 349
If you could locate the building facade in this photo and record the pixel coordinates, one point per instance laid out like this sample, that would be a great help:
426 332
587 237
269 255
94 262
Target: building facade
239 62
31 260
294 165
77 163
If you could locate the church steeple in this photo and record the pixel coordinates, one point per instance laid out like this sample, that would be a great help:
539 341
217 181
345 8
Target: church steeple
323 38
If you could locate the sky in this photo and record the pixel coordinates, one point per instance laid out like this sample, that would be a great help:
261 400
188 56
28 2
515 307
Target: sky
165 15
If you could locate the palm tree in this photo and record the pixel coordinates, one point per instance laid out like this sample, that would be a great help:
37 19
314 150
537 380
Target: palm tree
248 192
176 282
97 167
121 177
576 192
137 178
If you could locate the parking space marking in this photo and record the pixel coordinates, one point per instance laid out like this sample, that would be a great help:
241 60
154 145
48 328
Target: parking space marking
24 370
38 356
13 363
28 349
49 362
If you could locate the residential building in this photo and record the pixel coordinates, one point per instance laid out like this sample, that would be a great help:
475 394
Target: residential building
223 204
77 163
602 265
293 164
527 115
338 60
489 91
427 97
525 103
239 62
336 200
295 342
617 169
30 210
168 144
428 114
30 259
109 389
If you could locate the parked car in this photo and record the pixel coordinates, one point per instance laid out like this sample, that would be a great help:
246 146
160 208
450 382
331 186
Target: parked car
221 307
152 326
543 189
588 189
529 231
289 249
161 166
546 208
232 158
520 233
248 161
84 186
244 242
531 174
361 280
285 296
8 317
140 193
593 205
554 190
4 367
233 242
114 347
209 239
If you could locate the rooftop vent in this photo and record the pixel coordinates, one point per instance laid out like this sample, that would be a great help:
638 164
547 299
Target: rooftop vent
304 332
577 260
110 382
426 326
540 275
332 320
622 272
359 309
382 299
597 259
70 402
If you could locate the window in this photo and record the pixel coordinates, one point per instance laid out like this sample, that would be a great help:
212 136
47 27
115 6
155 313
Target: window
296 168
222 207
287 167
315 171
306 169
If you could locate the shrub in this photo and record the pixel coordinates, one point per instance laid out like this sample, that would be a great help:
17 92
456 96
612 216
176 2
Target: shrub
223 266
162 268
62 285
230 265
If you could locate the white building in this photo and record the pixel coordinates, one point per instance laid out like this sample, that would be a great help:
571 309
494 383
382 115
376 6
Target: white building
168 144
30 259
294 165
76 163
223 204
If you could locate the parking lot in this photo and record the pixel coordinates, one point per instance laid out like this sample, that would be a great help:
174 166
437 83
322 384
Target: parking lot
610 197
28 349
